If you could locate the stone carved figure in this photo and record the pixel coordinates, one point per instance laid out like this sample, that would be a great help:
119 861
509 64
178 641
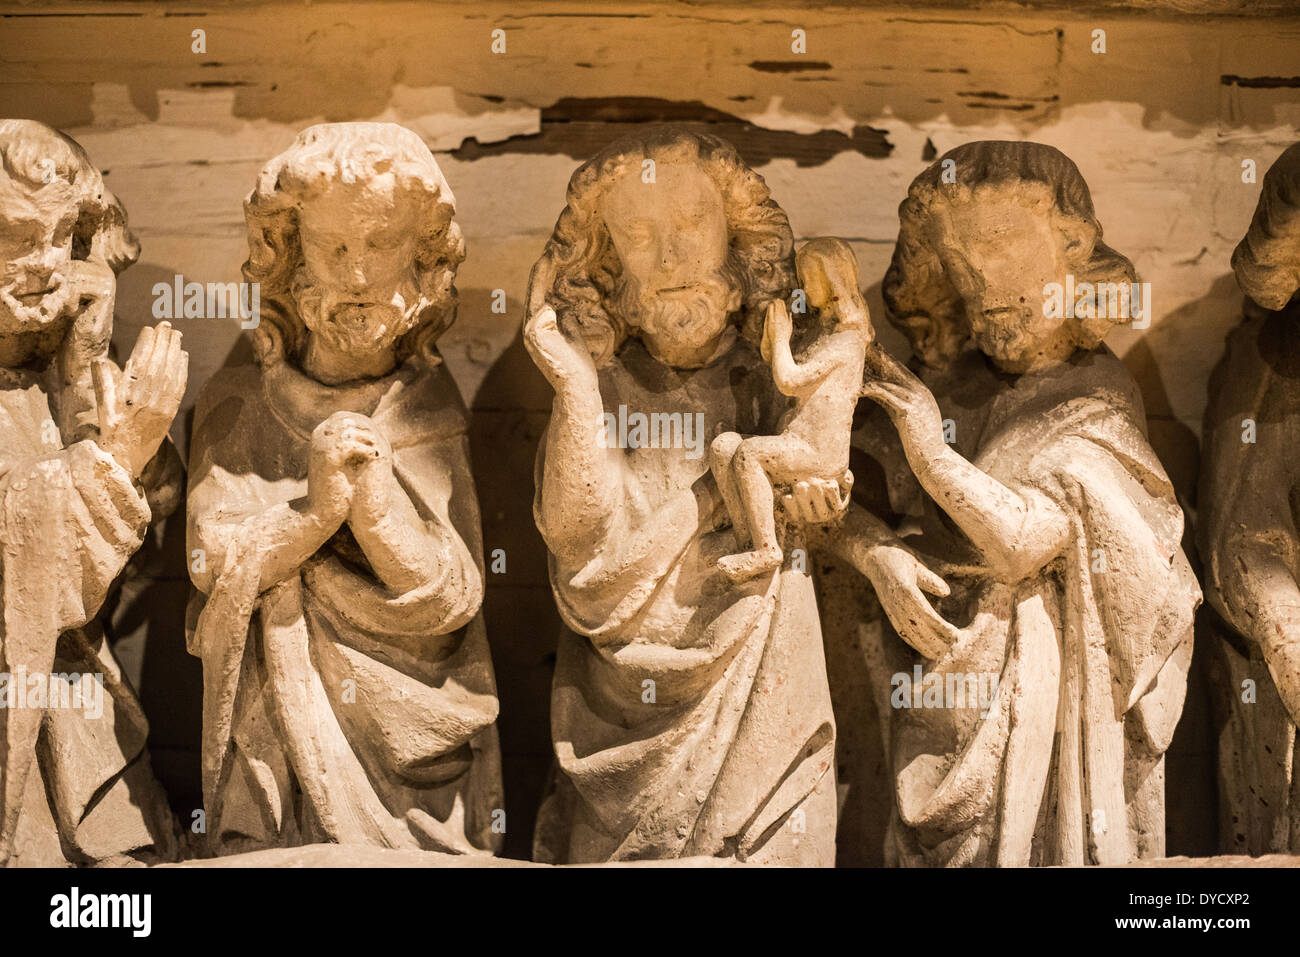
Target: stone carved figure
1247 528
348 690
814 434
86 467
1031 700
690 714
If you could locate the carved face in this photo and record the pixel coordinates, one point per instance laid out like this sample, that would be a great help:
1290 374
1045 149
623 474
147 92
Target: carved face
999 255
357 288
671 238
35 248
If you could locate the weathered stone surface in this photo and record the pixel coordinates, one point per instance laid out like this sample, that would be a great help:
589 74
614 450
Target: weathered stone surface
1248 535
690 710
335 855
348 687
1160 125
85 468
1042 606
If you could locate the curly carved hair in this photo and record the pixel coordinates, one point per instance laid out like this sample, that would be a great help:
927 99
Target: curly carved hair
920 300
1267 260
36 158
579 269
332 153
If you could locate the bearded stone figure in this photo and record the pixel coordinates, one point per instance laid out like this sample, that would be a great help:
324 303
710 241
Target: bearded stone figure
1248 529
690 712
85 468
1032 696
348 691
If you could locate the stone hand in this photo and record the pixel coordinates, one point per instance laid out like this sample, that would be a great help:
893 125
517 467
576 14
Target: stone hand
136 408
563 362
90 280
372 496
901 581
818 501
777 327
341 447
910 405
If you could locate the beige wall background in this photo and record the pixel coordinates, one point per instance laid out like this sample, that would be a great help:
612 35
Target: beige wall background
1160 125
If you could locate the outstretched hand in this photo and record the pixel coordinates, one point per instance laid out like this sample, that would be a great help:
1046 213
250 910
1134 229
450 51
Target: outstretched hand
901 582
910 405
136 408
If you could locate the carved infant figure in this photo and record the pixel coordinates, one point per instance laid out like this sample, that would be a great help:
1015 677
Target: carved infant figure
85 467
690 713
814 435
1061 630
348 690
1248 528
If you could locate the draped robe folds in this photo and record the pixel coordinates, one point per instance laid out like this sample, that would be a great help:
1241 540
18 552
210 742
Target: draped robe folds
337 709
1090 652
75 782
690 716
1248 496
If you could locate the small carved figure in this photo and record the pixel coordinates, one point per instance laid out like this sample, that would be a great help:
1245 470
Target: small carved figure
813 440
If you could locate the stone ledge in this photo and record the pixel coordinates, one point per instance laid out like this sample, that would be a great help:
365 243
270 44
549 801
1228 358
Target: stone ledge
334 855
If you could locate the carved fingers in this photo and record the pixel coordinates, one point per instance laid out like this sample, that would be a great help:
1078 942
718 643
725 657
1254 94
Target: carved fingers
817 501
89 279
136 408
902 582
561 360
342 448
911 406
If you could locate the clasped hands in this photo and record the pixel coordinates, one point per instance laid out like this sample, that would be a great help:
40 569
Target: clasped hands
349 470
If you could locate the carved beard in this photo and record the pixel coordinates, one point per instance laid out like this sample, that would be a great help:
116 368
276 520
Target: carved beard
676 325
351 325
19 317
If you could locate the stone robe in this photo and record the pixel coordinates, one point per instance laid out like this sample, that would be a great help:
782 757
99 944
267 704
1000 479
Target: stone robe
690 716
1250 474
1090 651
75 784
337 709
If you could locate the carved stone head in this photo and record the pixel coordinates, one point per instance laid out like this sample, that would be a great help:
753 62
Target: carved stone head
352 237
670 237
1267 260
982 233
54 211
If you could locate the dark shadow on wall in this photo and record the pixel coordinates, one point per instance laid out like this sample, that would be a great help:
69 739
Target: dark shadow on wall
507 421
150 611
1191 763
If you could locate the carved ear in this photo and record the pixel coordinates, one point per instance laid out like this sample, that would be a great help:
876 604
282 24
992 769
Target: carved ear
1079 238
104 235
